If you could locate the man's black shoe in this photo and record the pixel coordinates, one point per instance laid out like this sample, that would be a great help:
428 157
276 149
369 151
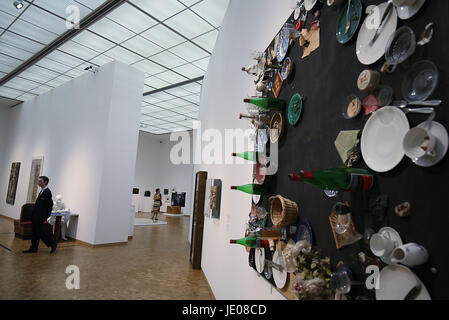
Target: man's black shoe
29 251
53 247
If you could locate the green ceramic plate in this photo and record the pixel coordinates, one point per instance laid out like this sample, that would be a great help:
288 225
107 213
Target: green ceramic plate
295 109
355 15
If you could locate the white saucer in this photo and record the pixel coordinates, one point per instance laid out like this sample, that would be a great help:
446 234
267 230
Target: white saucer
309 4
442 143
392 234
259 256
406 12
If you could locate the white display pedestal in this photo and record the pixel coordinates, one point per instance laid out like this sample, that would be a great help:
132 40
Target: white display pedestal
147 204
132 215
135 202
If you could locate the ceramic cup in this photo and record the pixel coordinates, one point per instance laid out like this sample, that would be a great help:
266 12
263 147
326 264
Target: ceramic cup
400 3
410 254
368 80
381 245
419 142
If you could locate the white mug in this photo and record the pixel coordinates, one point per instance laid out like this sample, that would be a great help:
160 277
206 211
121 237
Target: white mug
381 245
419 142
410 254
400 3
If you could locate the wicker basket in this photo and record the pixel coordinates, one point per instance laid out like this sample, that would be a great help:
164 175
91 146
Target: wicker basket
283 211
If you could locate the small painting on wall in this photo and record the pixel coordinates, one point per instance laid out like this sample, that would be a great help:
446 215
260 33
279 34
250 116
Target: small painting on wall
213 198
36 171
13 180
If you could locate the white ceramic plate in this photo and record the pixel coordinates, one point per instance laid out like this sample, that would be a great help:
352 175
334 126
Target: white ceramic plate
442 142
309 4
297 12
396 281
369 54
280 277
382 137
406 12
260 259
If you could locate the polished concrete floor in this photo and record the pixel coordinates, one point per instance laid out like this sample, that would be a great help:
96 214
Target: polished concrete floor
153 265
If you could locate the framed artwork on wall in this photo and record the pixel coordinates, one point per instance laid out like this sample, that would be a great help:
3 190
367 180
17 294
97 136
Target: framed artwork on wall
13 180
213 198
36 171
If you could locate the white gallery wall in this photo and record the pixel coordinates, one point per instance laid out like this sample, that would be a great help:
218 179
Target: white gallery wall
154 169
87 131
4 128
248 25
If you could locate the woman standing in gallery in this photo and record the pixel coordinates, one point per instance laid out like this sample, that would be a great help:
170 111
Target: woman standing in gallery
157 204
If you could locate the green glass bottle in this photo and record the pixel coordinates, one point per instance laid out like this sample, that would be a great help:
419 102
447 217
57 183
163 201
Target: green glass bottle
251 188
248 155
267 103
251 242
253 156
344 179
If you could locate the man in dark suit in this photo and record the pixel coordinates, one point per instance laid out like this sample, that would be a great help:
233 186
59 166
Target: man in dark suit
42 210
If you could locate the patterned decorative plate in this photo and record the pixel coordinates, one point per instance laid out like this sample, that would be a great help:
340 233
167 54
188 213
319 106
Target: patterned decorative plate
354 15
282 46
304 232
295 109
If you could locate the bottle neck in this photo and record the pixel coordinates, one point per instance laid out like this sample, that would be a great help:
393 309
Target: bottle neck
247 100
300 177
233 187
232 241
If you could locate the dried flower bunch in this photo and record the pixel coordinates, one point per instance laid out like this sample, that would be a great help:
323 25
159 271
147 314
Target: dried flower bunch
312 276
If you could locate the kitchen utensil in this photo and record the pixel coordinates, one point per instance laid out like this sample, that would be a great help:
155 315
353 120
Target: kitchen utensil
428 110
382 22
403 103
348 22
426 36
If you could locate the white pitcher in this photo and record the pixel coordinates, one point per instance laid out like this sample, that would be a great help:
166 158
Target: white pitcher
410 254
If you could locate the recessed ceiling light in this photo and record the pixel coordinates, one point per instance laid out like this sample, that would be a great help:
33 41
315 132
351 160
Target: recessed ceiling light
18 4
